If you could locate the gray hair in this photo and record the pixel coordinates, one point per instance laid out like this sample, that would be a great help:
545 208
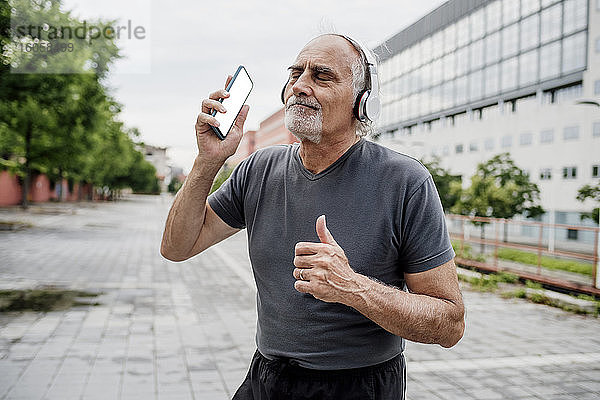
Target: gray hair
359 83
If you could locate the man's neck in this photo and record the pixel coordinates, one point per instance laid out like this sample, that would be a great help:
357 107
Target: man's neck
317 157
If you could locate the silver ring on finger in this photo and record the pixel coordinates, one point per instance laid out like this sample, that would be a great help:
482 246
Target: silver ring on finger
301 276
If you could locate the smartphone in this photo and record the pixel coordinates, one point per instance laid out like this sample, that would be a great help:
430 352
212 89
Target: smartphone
239 89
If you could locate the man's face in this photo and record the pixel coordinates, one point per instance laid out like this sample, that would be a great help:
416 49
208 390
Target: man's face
318 95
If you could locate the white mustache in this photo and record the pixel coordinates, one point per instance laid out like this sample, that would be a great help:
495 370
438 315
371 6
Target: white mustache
293 100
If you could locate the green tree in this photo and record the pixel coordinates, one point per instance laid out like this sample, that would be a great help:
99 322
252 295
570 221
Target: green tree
448 185
500 189
590 192
48 116
142 176
174 185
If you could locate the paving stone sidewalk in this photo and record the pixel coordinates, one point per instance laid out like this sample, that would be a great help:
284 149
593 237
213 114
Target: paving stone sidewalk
168 330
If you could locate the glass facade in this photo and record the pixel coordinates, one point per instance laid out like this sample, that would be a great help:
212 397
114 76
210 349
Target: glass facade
503 46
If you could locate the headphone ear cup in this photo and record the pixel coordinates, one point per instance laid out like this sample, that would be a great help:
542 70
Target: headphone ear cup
372 108
359 105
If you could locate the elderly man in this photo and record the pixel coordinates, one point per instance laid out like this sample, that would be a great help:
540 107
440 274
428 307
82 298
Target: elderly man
338 228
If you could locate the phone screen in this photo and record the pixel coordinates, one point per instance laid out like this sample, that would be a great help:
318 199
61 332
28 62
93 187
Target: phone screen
239 89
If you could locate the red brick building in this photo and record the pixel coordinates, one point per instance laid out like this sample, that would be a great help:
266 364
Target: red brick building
40 190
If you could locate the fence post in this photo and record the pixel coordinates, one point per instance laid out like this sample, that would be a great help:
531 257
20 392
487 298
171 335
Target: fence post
462 242
597 258
496 226
551 232
539 269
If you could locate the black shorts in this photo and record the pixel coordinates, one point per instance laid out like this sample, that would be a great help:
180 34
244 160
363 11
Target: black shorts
283 379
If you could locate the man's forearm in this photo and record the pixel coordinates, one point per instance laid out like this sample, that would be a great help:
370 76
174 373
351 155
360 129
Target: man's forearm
187 213
419 318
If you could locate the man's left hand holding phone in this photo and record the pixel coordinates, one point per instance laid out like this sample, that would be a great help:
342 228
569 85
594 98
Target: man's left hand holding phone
219 127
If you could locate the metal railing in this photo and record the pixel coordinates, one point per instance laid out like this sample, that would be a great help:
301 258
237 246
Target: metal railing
559 241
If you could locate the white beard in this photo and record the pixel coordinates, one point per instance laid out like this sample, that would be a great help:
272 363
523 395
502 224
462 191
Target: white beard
304 123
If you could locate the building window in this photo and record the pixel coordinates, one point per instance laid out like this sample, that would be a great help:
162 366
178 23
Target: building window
436 99
596 129
462 32
530 32
551 23
550 60
545 174
510 40
571 133
572 234
489 144
477 24
506 142
448 93
450 38
596 171
529 6
528 68
473 147
575 13
446 150
568 94
510 12
574 52
461 90
492 48
458 148
509 74
493 19
476 54
449 63
491 76
437 45
436 71
548 2
598 45
569 172
547 136
597 87
525 139
462 61
426 49
475 82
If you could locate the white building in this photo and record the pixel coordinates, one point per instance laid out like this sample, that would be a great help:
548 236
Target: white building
476 78
157 156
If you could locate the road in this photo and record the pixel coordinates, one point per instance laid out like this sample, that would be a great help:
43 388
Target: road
185 330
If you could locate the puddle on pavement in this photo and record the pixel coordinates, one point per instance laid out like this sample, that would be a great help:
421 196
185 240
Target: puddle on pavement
45 299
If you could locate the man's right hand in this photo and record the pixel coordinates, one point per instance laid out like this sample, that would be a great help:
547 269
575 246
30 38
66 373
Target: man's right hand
210 147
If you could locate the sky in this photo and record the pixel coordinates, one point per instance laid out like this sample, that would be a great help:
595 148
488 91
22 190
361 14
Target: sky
189 47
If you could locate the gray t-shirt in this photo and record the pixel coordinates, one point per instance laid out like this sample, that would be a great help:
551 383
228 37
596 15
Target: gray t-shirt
382 208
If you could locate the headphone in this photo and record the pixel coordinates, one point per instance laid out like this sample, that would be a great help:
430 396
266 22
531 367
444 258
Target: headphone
367 105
